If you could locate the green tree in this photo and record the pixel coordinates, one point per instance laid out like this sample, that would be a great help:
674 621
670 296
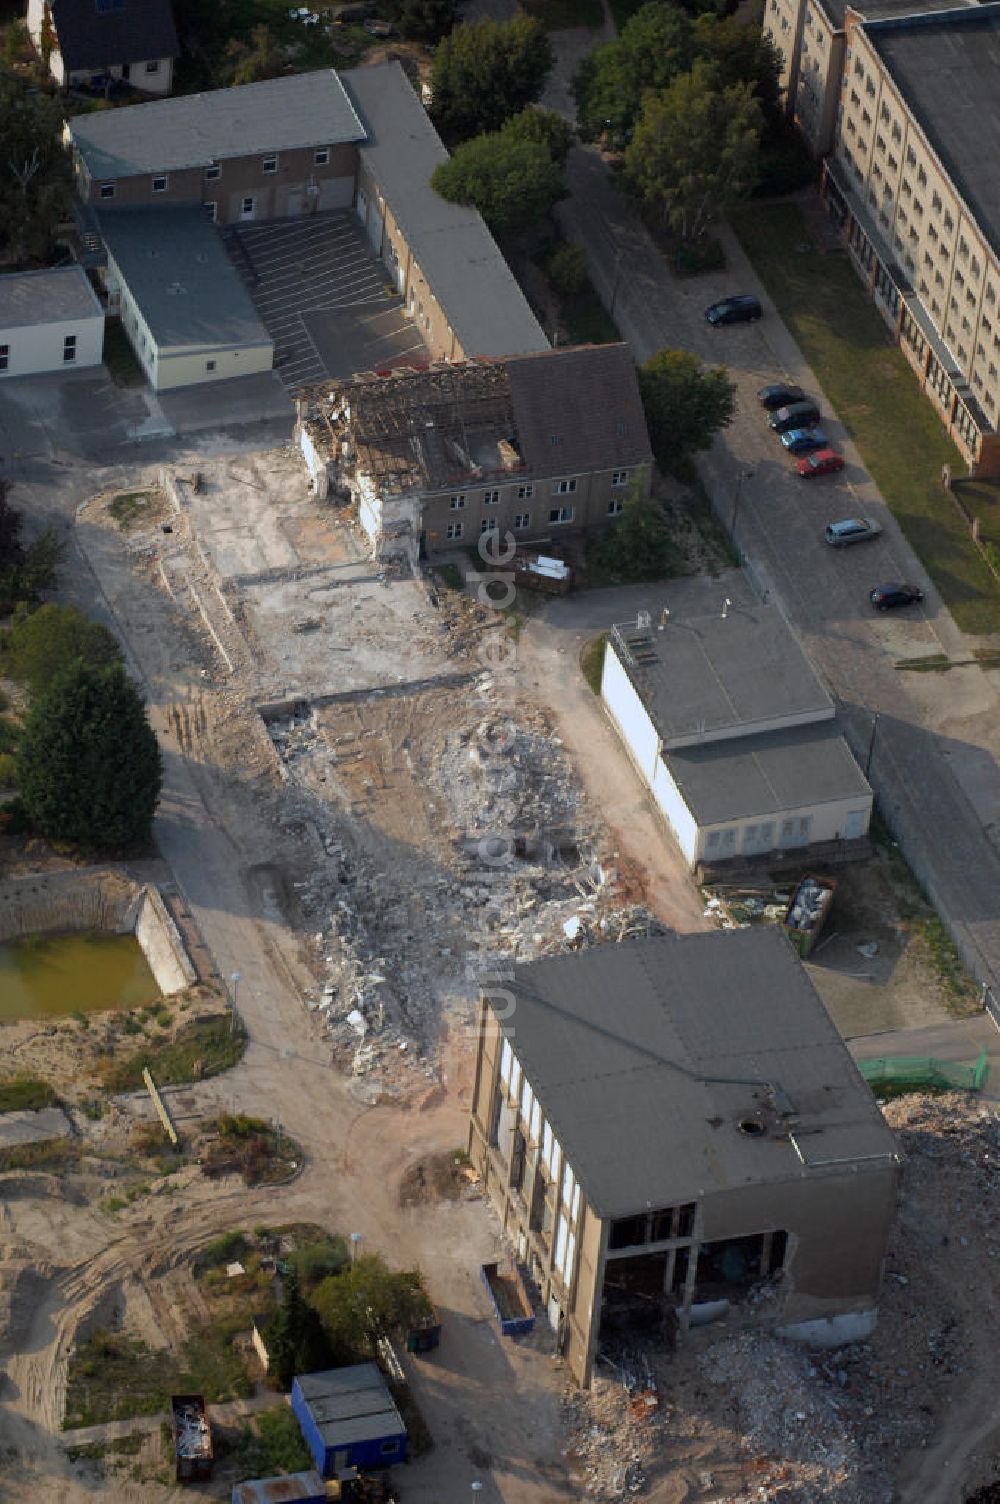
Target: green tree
686 404
742 54
16 47
567 270
424 20
88 763
695 150
486 71
544 127
249 62
34 186
39 646
656 45
635 547
297 1342
513 184
366 1301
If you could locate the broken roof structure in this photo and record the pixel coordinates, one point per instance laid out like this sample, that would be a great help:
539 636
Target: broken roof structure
556 411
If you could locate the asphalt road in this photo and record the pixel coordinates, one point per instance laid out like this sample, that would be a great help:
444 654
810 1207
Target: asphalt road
934 759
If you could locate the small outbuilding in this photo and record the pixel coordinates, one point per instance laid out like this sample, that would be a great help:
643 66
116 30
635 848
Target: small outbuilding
50 320
289 1488
727 723
349 1419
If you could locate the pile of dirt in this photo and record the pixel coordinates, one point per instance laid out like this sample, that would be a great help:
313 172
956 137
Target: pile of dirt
438 1177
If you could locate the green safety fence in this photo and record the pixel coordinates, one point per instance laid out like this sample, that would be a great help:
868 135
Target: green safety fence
921 1072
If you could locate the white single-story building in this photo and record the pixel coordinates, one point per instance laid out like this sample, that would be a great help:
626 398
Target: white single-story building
730 729
50 320
182 303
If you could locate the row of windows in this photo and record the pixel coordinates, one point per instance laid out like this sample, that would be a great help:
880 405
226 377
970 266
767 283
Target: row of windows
69 352
522 520
524 493
268 165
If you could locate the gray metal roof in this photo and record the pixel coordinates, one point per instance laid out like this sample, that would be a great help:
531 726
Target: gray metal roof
767 775
456 252
49 296
351 1404
188 291
717 676
878 9
947 68
167 135
646 1056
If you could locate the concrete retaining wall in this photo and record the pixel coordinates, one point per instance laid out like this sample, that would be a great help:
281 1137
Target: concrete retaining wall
99 900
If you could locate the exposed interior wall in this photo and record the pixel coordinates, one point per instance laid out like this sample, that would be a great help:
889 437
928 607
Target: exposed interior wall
99 899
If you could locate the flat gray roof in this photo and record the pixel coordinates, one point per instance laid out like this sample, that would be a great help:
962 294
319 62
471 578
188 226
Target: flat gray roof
457 254
877 9
646 1056
765 776
709 677
166 135
50 296
174 265
946 65
351 1404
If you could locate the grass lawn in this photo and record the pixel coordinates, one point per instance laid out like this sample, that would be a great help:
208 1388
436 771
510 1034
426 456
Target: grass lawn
201 1049
25 1093
584 320
592 661
113 1377
876 395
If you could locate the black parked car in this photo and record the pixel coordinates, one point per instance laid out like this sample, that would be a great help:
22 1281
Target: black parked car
896 593
798 415
737 310
780 396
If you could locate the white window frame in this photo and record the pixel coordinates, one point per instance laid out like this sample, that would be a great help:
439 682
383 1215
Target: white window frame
213 172
560 515
615 506
525 493
454 530
563 487
153 67
489 525
457 502
522 522
161 178
619 478
491 498
321 156
506 1061
269 165
69 349
4 357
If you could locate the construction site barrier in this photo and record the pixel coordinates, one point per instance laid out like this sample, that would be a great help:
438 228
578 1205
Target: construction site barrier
902 1073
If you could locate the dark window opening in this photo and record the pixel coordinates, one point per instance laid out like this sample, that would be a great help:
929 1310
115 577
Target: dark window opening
628 1232
517 1161
635 1303
731 1266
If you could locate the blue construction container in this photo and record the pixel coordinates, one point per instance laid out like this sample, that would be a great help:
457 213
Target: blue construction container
349 1419
290 1488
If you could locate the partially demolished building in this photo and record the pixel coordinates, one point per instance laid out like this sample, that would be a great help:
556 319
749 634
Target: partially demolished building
538 446
666 1127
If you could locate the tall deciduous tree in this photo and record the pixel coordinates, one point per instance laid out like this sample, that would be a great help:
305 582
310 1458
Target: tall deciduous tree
637 546
424 20
742 54
512 183
695 150
40 646
656 44
686 404
88 763
34 182
544 127
486 71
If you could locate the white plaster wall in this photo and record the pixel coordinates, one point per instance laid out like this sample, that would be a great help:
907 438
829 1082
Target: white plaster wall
162 944
629 715
676 813
35 348
828 822
370 514
186 369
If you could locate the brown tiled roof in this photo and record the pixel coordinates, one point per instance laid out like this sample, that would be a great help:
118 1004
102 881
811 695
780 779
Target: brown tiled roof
578 410
134 31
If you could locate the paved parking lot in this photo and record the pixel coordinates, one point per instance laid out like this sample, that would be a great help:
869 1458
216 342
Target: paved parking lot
325 300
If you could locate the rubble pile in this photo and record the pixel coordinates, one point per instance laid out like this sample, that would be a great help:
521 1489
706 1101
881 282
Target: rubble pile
745 1416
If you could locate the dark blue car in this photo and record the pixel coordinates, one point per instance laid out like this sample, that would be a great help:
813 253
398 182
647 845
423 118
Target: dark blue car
804 440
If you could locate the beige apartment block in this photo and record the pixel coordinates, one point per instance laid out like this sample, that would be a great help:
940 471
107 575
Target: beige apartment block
665 1124
914 182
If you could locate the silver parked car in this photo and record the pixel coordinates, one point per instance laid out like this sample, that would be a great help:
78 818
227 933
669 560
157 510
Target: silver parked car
851 530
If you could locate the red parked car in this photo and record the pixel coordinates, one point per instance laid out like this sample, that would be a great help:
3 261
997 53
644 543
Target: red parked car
823 462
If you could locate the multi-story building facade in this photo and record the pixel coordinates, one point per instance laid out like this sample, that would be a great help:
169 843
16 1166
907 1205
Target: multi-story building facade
663 1124
535 447
913 179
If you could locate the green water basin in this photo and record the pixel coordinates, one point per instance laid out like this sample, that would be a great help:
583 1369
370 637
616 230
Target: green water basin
46 976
